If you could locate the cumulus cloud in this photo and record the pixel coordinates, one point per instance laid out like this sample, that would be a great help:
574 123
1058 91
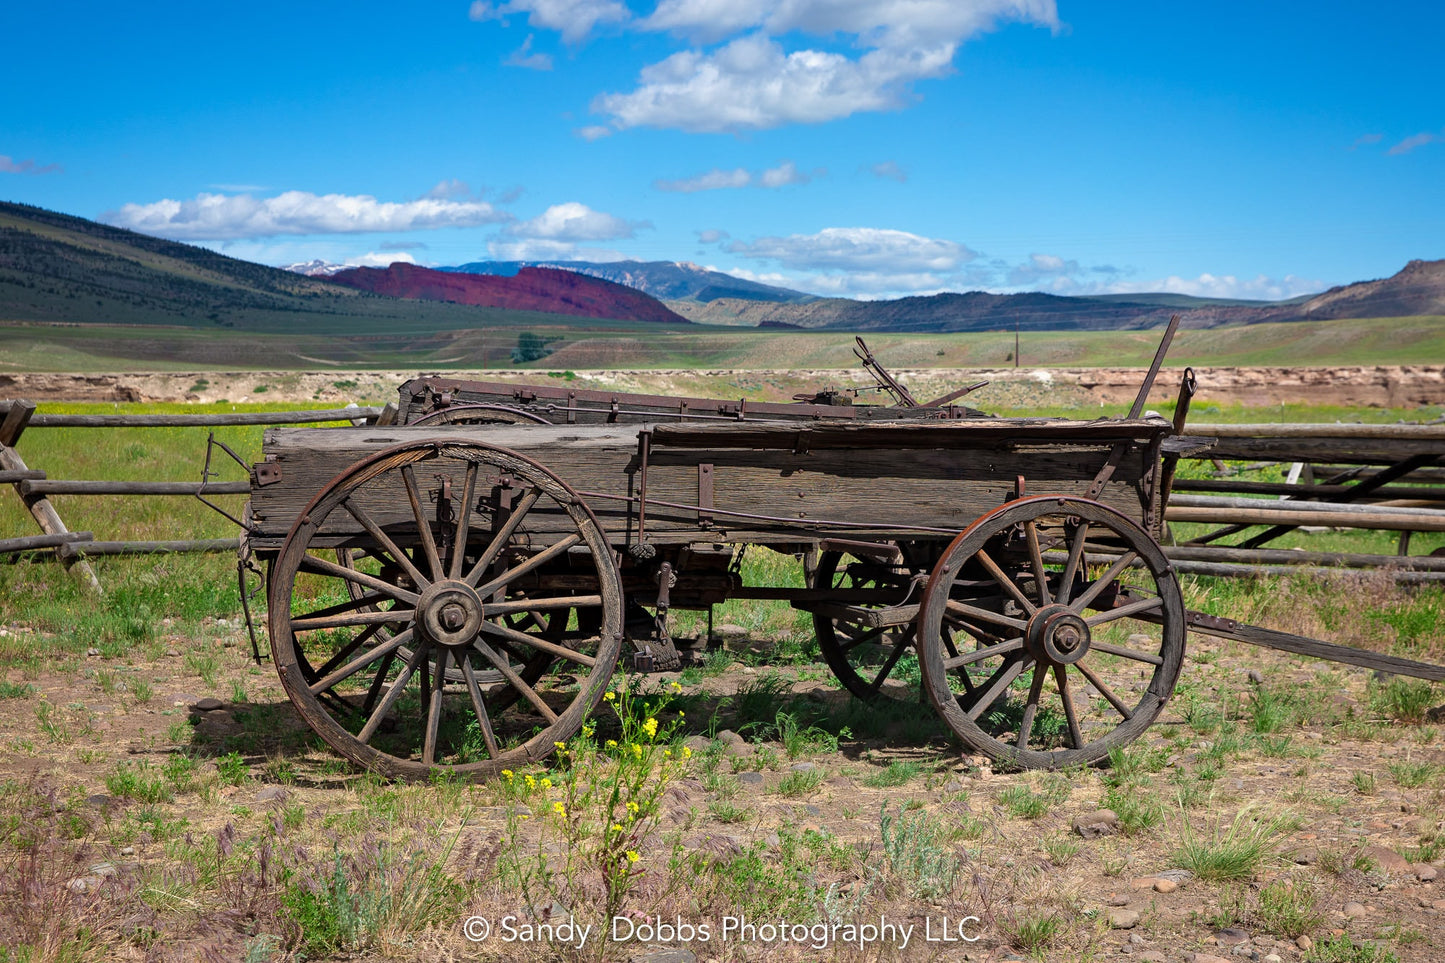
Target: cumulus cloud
571 222
781 176
594 132
1416 140
752 82
573 19
858 249
449 190
1260 288
712 235
1039 267
224 217
1365 140
889 170
380 259
8 165
523 57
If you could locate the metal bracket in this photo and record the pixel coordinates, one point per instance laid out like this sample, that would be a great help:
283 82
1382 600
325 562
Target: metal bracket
704 495
207 475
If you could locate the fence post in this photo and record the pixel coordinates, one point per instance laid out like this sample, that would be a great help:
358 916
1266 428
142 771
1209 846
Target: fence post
39 506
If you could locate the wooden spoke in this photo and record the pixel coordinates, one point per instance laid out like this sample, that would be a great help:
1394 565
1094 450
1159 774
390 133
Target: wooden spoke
1031 707
351 668
1071 568
350 647
535 562
1104 690
350 605
378 682
974 612
384 617
434 711
320 566
1036 561
387 701
1006 583
423 524
499 540
899 648
376 532
856 640
1119 650
987 652
479 706
1124 611
1103 581
526 690
534 607
996 684
522 638
1061 678
464 520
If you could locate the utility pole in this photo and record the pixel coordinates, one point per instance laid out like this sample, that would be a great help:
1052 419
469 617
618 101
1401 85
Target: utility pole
1016 342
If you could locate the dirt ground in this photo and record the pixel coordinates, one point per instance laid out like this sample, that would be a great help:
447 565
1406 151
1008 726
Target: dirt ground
1364 796
1395 386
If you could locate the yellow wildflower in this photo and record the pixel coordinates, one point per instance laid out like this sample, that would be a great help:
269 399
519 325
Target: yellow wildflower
687 752
676 687
617 828
560 745
637 750
650 727
633 855
611 743
546 784
531 783
559 809
508 773
632 806
610 695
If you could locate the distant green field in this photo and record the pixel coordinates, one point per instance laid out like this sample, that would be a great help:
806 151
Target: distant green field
593 345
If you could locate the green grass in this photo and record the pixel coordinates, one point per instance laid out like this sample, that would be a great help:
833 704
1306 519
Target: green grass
1234 853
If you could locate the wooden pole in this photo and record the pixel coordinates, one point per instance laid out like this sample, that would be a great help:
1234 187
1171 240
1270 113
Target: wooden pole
39 506
1359 519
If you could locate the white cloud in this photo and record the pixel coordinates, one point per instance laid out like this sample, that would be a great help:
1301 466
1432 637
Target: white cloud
541 249
784 174
858 249
712 235
1041 266
1366 139
449 190
1260 288
571 222
8 165
382 259
890 170
573 19
594 132
711 181
523 57
1416 140
752 82
222 216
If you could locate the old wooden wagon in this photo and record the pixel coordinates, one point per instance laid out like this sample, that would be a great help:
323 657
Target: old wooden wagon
455 593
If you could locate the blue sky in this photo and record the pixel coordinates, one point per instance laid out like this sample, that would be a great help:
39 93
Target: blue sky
857 147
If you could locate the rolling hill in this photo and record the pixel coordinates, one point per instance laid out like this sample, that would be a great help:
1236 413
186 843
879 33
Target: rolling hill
664 280
530 289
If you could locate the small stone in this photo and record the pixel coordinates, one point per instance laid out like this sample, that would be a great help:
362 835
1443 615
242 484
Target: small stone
802 767
1305 943
104 870
1255 676
1353 910
1100 822
1153 956
750 778
81 885
730 737
1305 856
1206 958
272 794
208 704
1122 919
1425 872
127 850
92 652
1165 886
98 801
1137 940
1388 860
1273 958
1118 899
729 631
1230 936
172 654
772 841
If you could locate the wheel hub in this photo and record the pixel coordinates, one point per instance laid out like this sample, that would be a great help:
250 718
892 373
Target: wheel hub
1057 636
449 613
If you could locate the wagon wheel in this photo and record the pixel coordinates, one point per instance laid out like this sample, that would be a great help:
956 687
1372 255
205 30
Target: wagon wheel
1037 652
869 648
527 550
481 415
368 600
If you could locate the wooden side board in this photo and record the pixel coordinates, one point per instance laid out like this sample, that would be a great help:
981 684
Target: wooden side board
869 480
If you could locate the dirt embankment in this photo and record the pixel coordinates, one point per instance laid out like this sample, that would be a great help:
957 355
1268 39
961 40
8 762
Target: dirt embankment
1395 386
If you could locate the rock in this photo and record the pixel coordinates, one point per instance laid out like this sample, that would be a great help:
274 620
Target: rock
1230 936
1255 676
728 631
104 870
730 738
1165 886
208 704
1206 958
663 956
127 850
1100 822
750 778
98 801
1425 872
802 767
1307 856
272 794
1273 958
1353 910
1153 956
772 841
1305 943
1387 860
1118 899
1122 919
92 652
1180 876
697 743
82 885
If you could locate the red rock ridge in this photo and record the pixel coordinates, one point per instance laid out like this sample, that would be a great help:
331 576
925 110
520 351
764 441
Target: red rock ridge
532 289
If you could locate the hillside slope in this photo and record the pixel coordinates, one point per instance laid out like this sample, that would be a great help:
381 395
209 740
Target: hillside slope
1417 289
530 289
664 280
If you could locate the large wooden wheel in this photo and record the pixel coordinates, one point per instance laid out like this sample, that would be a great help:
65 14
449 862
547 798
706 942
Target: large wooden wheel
480 414
477 567
1052 631
866 634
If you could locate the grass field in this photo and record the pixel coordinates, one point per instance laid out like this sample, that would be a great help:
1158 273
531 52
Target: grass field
139 827
602 345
